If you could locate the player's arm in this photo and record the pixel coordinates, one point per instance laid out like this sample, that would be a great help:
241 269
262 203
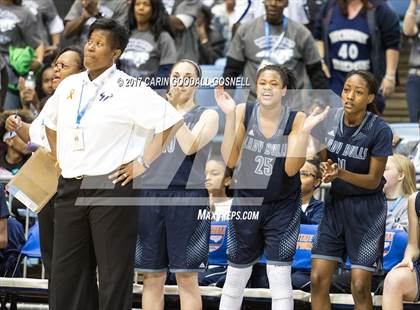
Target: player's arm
370 180
298 139
193 140
297 144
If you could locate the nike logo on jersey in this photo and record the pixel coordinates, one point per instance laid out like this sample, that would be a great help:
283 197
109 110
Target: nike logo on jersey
251 132
331 133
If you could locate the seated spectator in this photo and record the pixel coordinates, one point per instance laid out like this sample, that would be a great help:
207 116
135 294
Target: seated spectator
82 14
411 29
49 23
400 184
182 14
17 31
224 18
12 239
151 48
411 149
401 283
13 151
218 179
211 43
274 39
312 209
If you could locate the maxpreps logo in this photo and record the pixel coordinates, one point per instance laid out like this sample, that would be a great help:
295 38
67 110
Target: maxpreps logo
217 235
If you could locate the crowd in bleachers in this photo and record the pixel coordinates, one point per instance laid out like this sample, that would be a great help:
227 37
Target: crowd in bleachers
320 41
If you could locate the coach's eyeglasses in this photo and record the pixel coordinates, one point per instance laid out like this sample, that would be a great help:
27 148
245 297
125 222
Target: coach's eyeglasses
304 173
61 66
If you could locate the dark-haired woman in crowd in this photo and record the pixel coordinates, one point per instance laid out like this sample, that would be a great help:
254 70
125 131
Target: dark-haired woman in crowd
151 49
358 145
267 143
359 35
69 61
33 99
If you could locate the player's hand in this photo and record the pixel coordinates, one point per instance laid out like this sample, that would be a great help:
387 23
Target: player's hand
329 171
224 100
127 172
315 118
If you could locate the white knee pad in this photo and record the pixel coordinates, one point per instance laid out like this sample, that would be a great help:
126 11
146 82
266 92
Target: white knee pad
236 280
233 290
280 281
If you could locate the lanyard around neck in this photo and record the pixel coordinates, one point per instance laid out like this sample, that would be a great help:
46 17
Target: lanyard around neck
270 48
81 112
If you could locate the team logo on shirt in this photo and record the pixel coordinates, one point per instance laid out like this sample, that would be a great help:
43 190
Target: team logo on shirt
8 21
31 6
71 94
217 235
103 96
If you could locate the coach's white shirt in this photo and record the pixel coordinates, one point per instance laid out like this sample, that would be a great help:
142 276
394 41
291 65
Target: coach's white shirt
37 132
111 124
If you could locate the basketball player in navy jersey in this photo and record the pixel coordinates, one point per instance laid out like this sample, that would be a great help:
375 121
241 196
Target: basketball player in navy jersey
354 219
171 235
267 143
403 282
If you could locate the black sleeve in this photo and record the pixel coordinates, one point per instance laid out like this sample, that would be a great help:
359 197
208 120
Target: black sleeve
212 50
389 25
318 27
317 76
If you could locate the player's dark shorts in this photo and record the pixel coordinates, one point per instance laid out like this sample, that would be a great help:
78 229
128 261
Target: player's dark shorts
275 232
171 235
417 271
353 226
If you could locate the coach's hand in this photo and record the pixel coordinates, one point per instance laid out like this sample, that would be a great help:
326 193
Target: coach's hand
127 173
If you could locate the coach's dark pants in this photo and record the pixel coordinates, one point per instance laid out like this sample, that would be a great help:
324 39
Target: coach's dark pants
46 235
97 233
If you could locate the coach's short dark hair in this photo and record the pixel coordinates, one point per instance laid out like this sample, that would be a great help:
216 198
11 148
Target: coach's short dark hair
118 33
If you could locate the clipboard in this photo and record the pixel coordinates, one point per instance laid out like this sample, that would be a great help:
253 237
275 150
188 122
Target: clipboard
36 182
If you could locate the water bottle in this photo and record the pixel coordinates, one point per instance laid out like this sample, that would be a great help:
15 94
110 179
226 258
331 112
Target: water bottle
30 80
